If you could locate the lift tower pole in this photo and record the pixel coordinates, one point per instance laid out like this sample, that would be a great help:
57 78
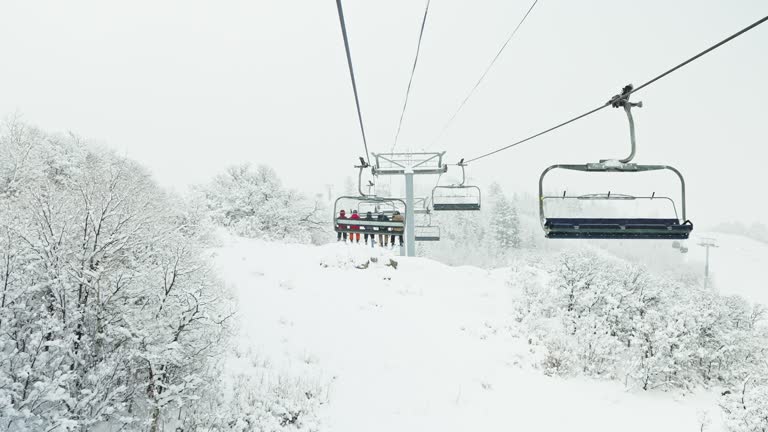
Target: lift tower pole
707 243
409 165
410 236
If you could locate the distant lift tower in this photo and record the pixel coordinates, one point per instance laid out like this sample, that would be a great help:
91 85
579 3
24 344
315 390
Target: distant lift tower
707 243
408 165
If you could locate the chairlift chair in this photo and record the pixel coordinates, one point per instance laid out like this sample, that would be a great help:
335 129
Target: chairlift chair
345 225
375 204
427 232
672 228
457 197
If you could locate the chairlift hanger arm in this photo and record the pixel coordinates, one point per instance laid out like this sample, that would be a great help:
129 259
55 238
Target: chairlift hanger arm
363 165
622 100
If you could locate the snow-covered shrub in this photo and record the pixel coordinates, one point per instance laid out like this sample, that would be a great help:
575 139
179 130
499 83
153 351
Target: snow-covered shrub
257 394
342 257
109 313
285 405
252 202
601 316
504 222
746 408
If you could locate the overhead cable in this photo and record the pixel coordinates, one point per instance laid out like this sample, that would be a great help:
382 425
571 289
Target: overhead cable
410 80
482 77
629 92
352 76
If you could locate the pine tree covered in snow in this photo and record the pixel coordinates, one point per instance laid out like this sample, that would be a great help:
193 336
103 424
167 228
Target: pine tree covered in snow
504 222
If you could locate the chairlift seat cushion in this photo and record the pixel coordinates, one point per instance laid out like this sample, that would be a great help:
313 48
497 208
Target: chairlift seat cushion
456 206
617 228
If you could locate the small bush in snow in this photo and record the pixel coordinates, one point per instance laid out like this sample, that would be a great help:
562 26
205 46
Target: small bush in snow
258 405
746 409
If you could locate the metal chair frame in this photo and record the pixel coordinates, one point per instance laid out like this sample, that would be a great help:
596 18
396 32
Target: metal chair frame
343 225
448 206
616 228
428 232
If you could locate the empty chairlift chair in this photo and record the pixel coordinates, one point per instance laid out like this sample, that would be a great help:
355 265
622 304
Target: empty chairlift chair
672 227
428 232
458 197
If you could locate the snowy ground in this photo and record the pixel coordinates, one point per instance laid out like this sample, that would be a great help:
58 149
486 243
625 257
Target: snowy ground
737 265
423 347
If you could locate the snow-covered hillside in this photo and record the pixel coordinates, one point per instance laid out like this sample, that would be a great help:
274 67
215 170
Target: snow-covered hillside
420 347
737 265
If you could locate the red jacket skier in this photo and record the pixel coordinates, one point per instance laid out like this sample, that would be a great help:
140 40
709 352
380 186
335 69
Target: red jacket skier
355 216
354 236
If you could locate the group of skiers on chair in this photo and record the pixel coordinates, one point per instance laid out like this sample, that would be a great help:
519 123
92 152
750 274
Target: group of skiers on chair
386 235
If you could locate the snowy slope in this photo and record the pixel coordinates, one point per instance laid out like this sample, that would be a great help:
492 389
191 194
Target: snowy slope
423 347
737 266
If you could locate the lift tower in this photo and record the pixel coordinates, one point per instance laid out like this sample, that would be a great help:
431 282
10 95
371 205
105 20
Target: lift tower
408 165
707 243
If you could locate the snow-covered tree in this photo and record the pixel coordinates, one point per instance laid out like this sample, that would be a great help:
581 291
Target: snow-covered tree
253 203
504 222
109 313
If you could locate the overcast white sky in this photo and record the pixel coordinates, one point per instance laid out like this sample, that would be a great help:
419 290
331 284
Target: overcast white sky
189 87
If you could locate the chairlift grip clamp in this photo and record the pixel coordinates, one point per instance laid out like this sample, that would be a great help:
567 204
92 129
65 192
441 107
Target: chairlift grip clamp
363 163
622 100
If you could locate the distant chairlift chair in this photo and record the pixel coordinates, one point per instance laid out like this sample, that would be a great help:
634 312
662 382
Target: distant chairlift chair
428 232
616 228
458 197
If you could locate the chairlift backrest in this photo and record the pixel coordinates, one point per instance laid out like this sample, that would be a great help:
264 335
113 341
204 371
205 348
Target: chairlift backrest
356 225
